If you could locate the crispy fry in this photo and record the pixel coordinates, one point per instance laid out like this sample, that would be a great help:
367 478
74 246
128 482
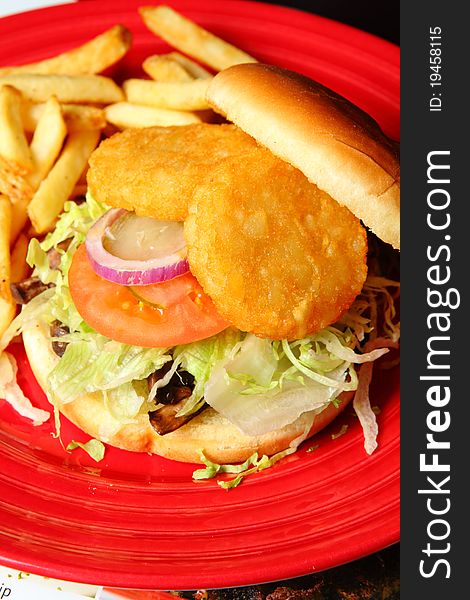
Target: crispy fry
47 141
45 146
191 39
125 115
93 57
53 192
77 116
12 183
82 178
162 68
92 89
193 68
19 268
13 143
19 216
190 95
7 305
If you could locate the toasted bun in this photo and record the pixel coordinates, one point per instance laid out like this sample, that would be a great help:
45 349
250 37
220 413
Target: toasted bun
221 441
334 143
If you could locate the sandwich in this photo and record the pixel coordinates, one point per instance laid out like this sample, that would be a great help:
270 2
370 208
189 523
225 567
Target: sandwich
214 295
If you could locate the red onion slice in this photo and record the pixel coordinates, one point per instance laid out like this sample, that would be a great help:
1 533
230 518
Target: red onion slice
119 237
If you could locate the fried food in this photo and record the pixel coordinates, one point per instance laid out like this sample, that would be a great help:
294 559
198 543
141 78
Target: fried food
7 304
186 95
154 171
77 116
192 39
126 114
279 257
47 141
193 68
13 143
48 201
92 89
162 68
93 57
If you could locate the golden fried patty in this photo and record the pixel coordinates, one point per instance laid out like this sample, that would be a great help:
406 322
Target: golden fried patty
154 171
278 257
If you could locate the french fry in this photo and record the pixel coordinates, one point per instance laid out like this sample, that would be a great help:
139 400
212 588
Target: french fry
7 305
125 115
93 57
162 68
54 191
19 216
77 116
83 176
12 182
19 268
193 68
191 39
13 143
189 95
91 89
47 141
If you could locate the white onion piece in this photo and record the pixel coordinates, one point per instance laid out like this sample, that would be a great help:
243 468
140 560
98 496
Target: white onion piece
131 250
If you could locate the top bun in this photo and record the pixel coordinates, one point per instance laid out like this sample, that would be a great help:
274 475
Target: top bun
334 143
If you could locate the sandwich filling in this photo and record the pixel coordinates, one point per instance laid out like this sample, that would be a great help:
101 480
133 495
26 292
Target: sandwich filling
258 384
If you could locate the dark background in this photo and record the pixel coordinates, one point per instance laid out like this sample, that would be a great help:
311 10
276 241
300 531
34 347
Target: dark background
375 16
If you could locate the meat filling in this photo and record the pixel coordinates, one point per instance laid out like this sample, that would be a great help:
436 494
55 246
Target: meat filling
58 329
172 396
24 291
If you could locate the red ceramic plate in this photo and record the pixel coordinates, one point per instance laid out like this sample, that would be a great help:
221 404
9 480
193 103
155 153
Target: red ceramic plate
140 521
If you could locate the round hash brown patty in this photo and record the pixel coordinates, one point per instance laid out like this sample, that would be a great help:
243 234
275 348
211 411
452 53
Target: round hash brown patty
279 257
154 171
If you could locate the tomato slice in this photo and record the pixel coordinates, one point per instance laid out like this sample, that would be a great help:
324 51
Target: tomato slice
173 312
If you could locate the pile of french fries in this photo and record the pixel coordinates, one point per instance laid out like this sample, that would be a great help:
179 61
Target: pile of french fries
53 114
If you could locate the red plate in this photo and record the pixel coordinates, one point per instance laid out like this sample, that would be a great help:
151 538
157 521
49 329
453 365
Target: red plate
139 521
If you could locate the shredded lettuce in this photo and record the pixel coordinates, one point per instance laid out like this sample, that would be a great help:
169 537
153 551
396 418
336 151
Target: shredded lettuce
127 400
93 448
97 364
373 303
212 469
262 386
13 394
253 464
30 313
366 415
199 359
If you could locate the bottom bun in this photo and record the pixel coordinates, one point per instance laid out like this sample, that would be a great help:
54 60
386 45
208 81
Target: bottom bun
221 441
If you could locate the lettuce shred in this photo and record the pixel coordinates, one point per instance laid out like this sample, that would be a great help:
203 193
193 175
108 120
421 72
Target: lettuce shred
13 394
93 448
253 464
